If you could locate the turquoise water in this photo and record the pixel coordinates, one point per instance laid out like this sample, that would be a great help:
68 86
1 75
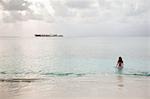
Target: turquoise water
21 56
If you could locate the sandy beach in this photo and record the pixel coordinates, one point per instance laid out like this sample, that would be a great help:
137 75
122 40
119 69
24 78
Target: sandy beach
86 87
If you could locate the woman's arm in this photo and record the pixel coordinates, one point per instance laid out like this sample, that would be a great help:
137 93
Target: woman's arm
117 64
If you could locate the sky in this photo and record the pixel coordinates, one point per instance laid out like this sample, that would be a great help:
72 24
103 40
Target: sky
75 17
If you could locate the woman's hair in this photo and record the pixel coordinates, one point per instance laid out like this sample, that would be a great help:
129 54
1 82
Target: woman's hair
120 59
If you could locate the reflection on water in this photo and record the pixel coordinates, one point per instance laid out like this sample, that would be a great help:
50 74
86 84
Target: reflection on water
11 90
120 81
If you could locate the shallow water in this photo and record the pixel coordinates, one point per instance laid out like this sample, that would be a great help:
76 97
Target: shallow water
73 56
47 67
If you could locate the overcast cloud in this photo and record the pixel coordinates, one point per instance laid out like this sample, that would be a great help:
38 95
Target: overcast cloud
75 17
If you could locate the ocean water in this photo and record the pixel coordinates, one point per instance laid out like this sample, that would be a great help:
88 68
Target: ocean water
74 68
74 57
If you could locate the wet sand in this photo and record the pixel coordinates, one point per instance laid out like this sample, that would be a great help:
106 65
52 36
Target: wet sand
85 87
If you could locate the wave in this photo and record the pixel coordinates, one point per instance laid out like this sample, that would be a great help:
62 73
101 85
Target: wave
72 74
133 73
64 74
59 74
139 74
19 80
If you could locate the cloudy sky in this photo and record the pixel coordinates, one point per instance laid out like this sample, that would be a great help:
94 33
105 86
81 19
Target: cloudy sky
75 17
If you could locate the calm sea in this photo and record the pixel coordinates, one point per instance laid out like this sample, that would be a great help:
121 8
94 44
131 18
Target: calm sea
21 56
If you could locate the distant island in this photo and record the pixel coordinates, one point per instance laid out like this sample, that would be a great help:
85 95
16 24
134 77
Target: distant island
48 35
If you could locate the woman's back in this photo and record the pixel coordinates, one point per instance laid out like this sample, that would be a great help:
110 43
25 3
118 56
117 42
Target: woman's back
120 62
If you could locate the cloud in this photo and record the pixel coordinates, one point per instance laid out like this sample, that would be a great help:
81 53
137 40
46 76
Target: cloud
136 8
61 10
125 7
80 4
74 10
22 10
127 11
100 10
13 16
77 17
15 5
12 10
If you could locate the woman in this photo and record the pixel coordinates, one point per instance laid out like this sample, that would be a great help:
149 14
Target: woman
120 63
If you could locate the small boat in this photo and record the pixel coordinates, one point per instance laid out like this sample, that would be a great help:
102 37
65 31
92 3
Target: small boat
48 35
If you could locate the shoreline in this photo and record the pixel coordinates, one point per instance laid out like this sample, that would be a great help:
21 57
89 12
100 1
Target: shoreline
86 87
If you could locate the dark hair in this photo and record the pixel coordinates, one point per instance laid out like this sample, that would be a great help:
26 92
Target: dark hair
120 60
